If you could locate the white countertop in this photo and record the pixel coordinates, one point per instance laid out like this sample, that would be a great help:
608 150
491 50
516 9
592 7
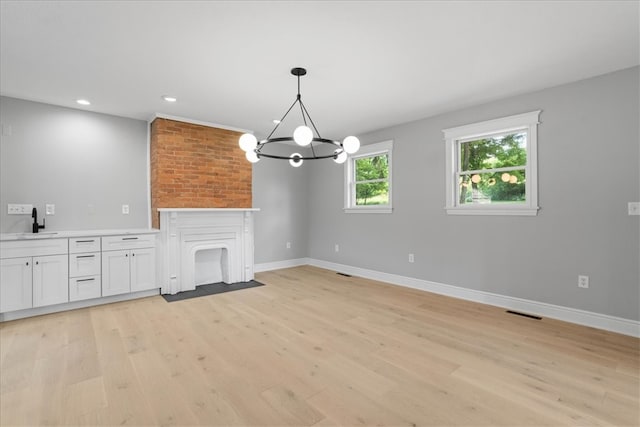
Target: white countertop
62 234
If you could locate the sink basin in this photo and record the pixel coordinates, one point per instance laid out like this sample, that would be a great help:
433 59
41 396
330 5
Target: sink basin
42 235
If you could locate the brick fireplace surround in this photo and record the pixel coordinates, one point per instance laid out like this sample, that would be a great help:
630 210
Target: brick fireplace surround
196 166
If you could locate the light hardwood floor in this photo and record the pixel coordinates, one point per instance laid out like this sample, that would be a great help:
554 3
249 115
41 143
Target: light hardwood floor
313 348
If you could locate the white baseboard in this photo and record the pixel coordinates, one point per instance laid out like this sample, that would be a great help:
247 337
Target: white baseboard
567 314
268 266
38 311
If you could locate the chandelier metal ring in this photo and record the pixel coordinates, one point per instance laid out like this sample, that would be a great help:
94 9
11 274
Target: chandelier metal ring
263 143
303 136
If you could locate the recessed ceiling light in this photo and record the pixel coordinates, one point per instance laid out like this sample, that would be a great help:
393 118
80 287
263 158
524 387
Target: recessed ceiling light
169 98
83 102
276 121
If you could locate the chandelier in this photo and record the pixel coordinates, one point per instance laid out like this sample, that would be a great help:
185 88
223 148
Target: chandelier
317 146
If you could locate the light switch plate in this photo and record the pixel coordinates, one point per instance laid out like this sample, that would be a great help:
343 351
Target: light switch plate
50 209
125 209
634 208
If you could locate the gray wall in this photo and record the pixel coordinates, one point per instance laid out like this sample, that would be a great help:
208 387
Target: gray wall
73 159
588 171
588 147
280 191
90 164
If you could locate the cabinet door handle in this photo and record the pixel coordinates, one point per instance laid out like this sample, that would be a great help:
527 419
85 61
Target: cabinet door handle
85 256
129 238
126 255
86 280
85 241
37 262
27 262
133 254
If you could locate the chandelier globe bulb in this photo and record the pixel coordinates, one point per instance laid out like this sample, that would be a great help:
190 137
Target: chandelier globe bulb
248 142
351 144
252 156
341 156
296 160
303 135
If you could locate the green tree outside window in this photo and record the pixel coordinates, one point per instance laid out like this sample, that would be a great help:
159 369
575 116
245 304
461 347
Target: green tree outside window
493 169
372 180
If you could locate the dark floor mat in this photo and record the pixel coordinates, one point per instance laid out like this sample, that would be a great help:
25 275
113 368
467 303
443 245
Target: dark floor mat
214 288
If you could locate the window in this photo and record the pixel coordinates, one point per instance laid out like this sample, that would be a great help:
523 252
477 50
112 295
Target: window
368 179
492 167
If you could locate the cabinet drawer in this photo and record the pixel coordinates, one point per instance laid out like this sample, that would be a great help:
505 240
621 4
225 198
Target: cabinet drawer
84 288
132 241
84 244
22 248
86 264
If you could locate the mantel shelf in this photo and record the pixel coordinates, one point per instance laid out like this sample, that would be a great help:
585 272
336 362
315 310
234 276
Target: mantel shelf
208 209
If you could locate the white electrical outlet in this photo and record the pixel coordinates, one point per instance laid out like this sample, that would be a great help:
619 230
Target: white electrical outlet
50 209
583 282
634 208
288 245
337 247
15 209
125 209
411 258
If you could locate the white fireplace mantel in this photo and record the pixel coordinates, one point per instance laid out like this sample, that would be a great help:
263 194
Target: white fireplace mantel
185 231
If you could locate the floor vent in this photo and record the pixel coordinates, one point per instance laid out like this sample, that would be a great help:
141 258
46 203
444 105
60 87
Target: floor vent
530 316
344 274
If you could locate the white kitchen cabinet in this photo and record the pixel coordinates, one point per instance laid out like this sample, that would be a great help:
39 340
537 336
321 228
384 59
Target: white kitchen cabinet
15 284
84 268
58 271
128 264
115 273
33 282
81 245
81 288
143 269
84 264
34 273
50 280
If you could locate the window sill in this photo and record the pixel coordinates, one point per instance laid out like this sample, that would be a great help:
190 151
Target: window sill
523 211
369 210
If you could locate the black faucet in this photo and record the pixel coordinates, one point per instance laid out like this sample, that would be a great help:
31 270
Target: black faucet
35 227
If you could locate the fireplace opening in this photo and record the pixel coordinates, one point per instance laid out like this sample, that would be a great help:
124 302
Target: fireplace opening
211 265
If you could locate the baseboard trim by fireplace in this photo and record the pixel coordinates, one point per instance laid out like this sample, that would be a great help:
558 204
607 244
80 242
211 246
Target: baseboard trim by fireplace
277 265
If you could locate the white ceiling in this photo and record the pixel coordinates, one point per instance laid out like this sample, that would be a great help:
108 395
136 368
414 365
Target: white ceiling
370 64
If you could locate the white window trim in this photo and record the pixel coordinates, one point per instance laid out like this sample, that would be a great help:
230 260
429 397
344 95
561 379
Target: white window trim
385 147
527 121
